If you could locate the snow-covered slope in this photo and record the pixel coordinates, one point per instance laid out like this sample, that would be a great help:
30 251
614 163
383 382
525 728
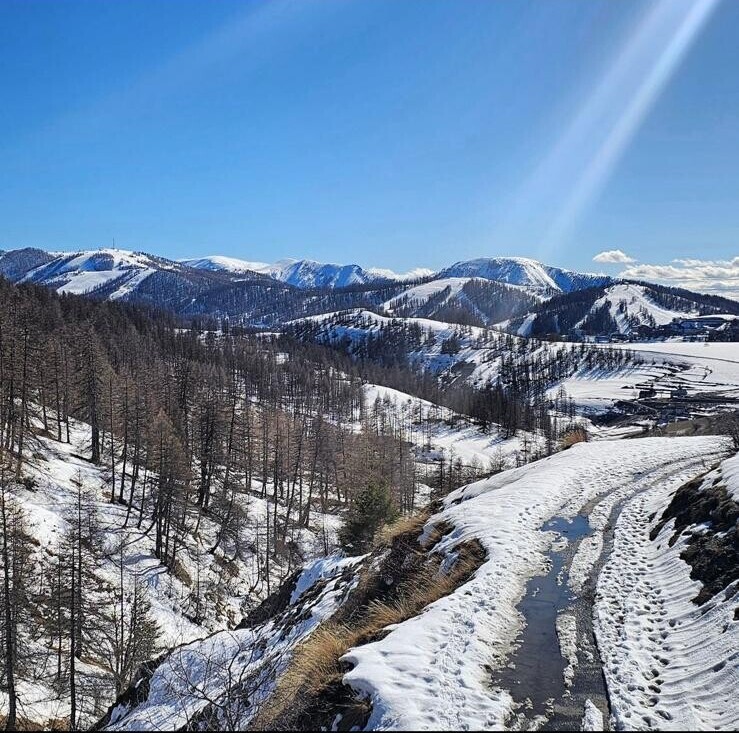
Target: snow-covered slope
304 273
526 272
86 271
669 662
16 263
311 274
223 679
440 434
702 368
414 274
454 352
445 349
219 263
421 294
208 590
630 305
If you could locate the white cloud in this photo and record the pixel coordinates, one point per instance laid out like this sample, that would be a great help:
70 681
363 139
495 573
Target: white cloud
614 256
719 277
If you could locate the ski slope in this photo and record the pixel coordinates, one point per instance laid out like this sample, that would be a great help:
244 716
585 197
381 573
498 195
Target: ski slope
638 307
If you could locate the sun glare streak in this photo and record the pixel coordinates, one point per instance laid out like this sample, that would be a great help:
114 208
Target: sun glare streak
580 164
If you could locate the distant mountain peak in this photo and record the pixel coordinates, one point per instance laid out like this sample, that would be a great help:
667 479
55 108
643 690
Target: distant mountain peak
526 272
307 273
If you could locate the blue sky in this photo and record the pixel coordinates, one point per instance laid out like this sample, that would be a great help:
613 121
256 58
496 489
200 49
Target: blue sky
396 134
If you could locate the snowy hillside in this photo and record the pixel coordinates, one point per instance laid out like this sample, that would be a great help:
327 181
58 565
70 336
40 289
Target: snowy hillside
525 272
702 368
207 591
450 287
630 305
461 661
84 272
622 307
219 263
223 680
176 496
455 353
445 349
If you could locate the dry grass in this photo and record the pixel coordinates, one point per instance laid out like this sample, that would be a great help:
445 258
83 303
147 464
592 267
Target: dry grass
22 723
575 435
316 666
316 661
409 524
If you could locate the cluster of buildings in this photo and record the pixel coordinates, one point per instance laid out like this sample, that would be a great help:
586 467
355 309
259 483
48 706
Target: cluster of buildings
714 327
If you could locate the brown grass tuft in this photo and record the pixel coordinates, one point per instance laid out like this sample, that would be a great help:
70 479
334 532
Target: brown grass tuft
411 524
316 660
576 435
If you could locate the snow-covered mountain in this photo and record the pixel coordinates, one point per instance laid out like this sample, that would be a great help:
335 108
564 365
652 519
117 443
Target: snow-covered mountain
87 271
526 272
219 263
303 273
311 274
514 294
621 307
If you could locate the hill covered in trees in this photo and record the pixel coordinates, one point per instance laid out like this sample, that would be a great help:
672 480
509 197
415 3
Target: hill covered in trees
159 478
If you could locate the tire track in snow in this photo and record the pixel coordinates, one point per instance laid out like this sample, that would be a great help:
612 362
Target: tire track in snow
552 687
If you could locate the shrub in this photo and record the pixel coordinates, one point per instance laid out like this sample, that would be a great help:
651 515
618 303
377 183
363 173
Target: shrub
574 435
370 510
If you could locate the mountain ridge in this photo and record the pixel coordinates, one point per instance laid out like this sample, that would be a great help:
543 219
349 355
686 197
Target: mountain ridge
515 294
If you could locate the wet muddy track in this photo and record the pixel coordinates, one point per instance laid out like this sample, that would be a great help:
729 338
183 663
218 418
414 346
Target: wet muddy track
535 671
535 675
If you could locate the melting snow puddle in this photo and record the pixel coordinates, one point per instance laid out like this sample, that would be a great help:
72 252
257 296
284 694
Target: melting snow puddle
554 672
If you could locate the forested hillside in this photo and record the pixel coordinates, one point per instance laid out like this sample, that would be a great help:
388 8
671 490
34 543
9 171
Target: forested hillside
159 480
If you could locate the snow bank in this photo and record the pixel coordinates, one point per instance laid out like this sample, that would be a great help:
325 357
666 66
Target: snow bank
730 476
669 663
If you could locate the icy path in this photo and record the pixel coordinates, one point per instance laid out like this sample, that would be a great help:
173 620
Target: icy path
434 671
